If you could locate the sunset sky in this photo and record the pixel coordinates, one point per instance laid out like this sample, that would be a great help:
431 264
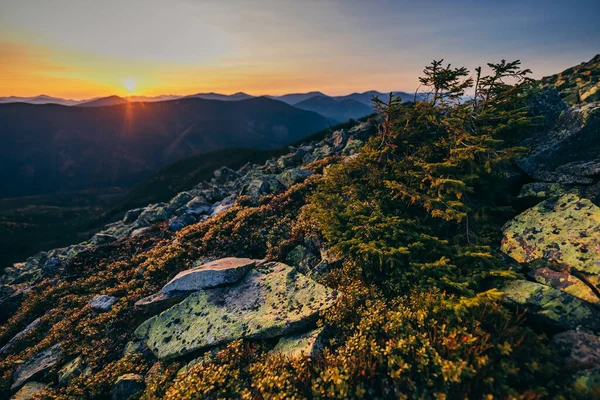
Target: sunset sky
81 48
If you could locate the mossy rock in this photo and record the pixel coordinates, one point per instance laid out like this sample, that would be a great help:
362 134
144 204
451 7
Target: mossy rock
305 344
270 301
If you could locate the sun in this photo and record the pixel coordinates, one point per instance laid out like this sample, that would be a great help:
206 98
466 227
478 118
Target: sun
129 85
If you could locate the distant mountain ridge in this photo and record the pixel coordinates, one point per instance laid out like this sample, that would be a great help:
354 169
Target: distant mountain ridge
49 148
339 110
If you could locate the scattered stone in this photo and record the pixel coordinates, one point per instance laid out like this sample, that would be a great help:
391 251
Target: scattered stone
551 306
52 266
578 350
176 225
352 147
260 186
290 177
225 174
180 200
198 206
271 300
586 168
224 205
132 215
72 369
28 391
153 214
12 342
159 302
140 231
308 344
216 273
102 303
100 239
127 386
38 366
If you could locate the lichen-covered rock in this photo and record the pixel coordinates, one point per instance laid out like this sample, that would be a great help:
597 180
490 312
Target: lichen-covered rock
216 273
159 302
28 391
260 186
225 174
137 347
198 206
70 370
585 168
102 303
290 177
551 306
271 300
352 147
308 344
302 258
564 230
577 349
132 215
127 386
565 282
223 205
100 239
38 366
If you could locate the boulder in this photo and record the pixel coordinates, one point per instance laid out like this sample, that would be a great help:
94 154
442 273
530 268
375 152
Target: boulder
72 369
225 174
12 342
271 300
137 347
28 391
223 205
38 366
308 344
563 230
544 190
153 214
352 147
180 200
176 225
577 349
260 186
292 176
100 239
102 303
127 386
585 168
551 306
301 258
157 303
216 273
52 266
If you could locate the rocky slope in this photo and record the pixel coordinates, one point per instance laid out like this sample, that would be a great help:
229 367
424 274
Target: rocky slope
579 84
212 303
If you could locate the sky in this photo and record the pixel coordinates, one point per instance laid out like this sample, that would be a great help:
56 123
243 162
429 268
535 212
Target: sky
88 48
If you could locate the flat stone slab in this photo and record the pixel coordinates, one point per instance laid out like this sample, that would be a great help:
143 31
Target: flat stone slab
551 306
271 300
216 273
37 366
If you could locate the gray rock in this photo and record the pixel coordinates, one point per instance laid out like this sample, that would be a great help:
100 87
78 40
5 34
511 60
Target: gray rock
585 168
578 350
127 386
225 174
305 344
52 266
153 214
176 225
286 161
216 273
29 390
180 200
290 177
352 147
260 186
301 258
12 342
100 239
140 231
137 347
339 140
222 206
102 303
159 302
198 206
132 215
38 366
271 300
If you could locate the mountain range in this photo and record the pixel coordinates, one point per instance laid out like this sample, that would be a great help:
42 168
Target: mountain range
51 148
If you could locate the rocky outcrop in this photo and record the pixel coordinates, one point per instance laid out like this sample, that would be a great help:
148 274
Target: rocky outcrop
70 370
13 341
271 300
216 273
550 306
38 366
